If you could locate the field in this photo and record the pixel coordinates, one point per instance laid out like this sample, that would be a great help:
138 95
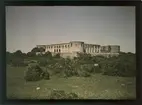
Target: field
95 87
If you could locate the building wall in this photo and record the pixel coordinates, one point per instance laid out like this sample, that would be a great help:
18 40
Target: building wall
76 46
92 48
115 49
71 48
58 48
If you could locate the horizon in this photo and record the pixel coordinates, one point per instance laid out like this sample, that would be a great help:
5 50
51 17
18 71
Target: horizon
27 27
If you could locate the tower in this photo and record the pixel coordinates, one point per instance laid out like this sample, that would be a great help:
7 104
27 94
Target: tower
76 46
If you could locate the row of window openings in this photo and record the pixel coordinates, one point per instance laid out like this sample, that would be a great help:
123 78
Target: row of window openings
92 50
57 50
66 46
92 47
69 46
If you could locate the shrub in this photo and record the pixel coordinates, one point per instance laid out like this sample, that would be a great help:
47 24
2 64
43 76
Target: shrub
33 73
74 69
46 75
126 70
57 94
60 94
88 67
70 70
68 73
97 70
84 74
42 62
81 72
109 71
57 68
124 66
72 96
57 55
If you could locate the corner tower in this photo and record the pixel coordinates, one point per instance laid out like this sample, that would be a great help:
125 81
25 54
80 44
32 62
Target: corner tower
76 46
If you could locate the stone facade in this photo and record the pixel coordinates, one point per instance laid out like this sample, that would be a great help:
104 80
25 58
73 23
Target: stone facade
70 49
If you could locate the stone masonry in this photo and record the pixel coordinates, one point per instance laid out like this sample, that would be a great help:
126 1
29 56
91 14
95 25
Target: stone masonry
72 48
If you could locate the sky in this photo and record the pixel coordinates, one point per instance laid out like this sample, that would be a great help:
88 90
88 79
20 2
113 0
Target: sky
27 27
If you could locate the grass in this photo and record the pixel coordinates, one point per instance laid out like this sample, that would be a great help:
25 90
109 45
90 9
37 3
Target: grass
95 87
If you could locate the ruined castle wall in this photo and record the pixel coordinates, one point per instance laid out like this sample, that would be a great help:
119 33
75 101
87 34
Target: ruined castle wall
92 48
115 49
68 55
70 49
58 48
76 46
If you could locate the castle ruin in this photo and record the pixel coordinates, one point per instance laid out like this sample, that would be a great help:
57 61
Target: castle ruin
72 48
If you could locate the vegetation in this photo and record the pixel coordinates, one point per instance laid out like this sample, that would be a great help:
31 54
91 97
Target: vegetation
33 73
46 75
97 86
83 65
86 75
60 94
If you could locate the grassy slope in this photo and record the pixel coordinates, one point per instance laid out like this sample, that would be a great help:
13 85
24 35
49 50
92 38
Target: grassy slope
96 87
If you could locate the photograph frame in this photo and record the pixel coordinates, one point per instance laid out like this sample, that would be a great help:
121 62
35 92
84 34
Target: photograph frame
71 3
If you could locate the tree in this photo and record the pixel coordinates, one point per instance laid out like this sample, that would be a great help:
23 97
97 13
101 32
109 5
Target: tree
8 57
30 54
48 54
18 53
33 73
36 49
41 49
8 53
57 55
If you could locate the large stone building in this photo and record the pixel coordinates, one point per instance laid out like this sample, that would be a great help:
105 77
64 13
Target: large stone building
70 49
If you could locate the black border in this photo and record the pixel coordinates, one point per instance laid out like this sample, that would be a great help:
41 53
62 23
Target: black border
66 3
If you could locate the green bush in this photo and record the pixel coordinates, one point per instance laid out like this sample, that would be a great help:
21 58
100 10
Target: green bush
88 68
60 94
72 68
33 73
57 56
42 62
97 69
46 75
109 71
68 73
72 96
123 65
83 65
56 68
84 74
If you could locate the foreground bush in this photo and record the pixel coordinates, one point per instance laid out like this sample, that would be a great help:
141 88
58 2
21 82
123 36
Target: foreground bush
60 94
33 72
42 62
88 68
55 68
121 70
45 75
70 73
84 74
124 66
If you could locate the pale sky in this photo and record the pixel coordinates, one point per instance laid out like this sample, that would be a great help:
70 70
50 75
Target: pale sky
27 27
